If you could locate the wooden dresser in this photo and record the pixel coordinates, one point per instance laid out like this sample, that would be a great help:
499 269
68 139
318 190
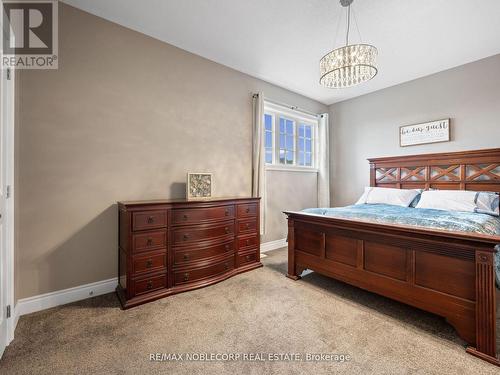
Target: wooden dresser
172 246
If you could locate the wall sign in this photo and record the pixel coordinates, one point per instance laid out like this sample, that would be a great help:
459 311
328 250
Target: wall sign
428 132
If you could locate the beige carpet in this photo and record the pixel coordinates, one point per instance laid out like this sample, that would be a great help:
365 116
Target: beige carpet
257 312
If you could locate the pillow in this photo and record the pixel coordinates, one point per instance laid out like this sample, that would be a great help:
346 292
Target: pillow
414 202
449 200
397 197
488 203
362 199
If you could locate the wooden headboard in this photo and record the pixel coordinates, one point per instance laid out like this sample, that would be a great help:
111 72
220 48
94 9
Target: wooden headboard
467 170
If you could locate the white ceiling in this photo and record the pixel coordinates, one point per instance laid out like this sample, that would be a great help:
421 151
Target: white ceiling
281 41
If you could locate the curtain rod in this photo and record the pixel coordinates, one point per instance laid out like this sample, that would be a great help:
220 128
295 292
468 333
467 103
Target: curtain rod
292 107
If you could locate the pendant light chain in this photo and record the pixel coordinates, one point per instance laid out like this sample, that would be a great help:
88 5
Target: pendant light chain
348 25
357 25
339 18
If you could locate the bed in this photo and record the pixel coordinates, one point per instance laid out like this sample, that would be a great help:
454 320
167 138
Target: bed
442 262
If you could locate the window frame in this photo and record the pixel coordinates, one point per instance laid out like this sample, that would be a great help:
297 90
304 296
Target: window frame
313 145
273 139
276 112
278 140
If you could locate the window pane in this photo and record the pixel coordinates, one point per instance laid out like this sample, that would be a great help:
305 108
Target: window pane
269 139
289 127
269 157
289 157
289 143
308 132
301 144
301 158
308 145
282 141
301 131
268 122
282 125
308 160
282 156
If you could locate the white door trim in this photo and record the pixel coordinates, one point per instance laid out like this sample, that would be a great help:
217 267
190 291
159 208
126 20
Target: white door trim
7 123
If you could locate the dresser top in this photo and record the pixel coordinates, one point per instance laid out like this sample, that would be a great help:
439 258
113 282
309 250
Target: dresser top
182 201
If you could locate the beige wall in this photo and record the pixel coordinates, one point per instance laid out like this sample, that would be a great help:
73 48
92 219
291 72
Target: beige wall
367 126
291 191
124 117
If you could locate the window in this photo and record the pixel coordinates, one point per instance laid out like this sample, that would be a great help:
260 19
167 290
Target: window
268 137
289 138
287 147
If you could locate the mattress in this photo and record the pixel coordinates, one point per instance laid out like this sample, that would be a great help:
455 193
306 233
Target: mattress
420 217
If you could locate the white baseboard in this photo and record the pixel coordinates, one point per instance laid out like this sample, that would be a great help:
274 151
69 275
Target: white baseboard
273 245
61 297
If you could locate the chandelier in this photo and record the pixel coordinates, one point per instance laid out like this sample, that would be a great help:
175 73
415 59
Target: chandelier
349 65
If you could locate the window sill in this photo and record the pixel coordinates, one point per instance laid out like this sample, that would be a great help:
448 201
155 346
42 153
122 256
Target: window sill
290 168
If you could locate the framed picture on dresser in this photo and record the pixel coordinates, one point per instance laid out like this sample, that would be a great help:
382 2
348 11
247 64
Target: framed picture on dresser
199 186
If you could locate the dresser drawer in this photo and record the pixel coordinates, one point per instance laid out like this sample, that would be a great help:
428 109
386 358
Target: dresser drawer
148 241
247 210
248 258
247 242
184 256
198 274
200 215
149 263
188 235
148 284
148 220
247 226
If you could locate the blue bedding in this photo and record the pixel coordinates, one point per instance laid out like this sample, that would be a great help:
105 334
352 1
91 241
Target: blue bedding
421 217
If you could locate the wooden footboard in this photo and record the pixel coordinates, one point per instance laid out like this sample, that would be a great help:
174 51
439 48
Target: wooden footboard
449 274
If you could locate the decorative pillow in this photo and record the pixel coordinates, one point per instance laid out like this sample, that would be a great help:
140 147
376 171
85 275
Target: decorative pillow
414 202
449 200
488 203
397 197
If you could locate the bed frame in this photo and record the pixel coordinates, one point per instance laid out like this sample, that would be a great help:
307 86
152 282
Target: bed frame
450 274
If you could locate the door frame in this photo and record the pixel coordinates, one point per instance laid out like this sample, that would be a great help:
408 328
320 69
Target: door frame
7 122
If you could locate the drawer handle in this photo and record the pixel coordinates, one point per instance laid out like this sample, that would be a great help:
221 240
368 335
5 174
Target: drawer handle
186 276
247 210
185 217
248 257
149 285
226 247
149 263
247 226
150 241
226 212
248 242
226 266
186 256
226 229
151 220
185 237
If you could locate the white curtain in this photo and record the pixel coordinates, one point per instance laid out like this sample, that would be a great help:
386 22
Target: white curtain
323 162
258 170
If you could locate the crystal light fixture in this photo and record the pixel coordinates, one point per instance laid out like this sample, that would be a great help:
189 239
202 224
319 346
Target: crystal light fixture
349 65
